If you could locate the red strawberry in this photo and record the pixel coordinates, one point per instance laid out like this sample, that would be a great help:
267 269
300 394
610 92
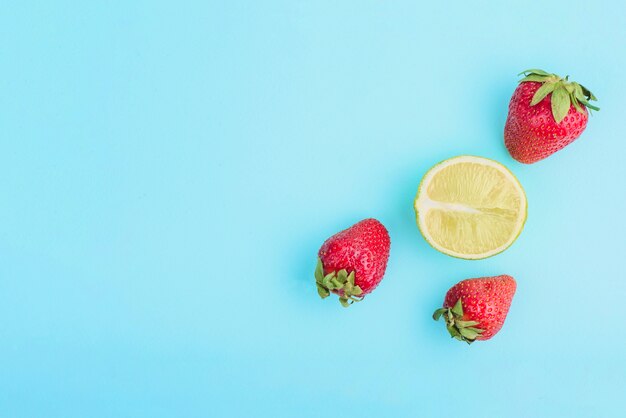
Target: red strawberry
352 262
546 113
475 309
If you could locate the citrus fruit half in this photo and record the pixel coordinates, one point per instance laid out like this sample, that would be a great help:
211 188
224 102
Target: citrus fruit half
470 207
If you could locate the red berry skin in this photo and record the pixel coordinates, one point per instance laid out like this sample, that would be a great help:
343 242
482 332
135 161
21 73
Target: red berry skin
485 300
531 133
362 248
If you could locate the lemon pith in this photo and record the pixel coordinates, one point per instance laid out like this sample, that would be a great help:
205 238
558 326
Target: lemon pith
470 207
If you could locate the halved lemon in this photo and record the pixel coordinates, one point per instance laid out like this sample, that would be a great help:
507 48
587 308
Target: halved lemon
470 207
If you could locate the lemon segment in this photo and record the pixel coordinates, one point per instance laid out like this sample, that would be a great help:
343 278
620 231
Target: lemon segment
470 207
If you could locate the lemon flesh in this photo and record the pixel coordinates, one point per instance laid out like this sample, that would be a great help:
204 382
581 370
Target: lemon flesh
470 207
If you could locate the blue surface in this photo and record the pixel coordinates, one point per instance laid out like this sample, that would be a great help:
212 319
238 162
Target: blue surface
169 170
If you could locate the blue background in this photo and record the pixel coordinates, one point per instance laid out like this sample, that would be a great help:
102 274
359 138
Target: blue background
168 171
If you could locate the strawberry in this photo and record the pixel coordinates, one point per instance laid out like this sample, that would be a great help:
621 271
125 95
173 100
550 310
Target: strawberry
475 309
546 113
352 262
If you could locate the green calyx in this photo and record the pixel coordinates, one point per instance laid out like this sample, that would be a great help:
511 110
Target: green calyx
339 282
459 329
564 93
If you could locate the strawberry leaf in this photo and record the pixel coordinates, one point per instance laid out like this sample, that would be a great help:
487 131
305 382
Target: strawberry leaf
326 281
319 271
577 105
478 330
351 278
560 103
464 324
347 288
454 333
336 283
589 105
580 97
468 333
534 71
322 291
458 308
542 92
533 77
437 314
588 93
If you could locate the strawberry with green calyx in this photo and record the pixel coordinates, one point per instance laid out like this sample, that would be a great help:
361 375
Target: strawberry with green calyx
352 262
475 309
546 113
